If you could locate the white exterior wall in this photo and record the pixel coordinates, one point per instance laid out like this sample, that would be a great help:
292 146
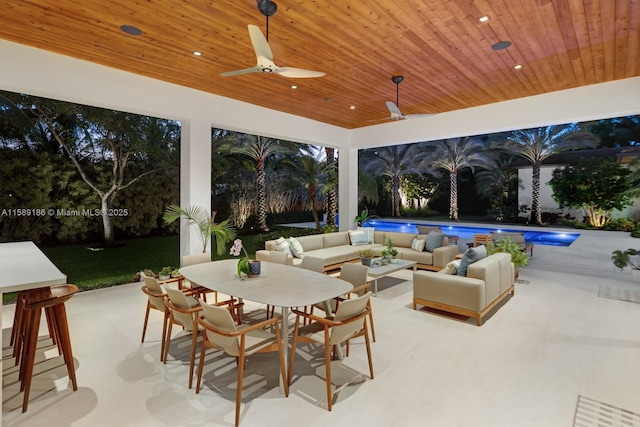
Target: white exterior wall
548 204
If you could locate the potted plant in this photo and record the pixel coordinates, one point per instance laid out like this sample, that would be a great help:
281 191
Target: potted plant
506 244
365 256
175 273
390 252
165 273
622 259
222 232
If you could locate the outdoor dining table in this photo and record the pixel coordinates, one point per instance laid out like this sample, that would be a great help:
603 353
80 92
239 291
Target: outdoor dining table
278 285
23 266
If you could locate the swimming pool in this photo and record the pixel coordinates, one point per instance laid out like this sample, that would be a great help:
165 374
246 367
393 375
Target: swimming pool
551 238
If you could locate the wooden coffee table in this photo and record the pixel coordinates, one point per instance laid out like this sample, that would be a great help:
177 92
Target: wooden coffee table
384 270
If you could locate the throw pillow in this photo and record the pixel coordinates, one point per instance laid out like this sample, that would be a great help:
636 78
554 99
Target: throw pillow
296 248
283 246
417 245
433 241
451 267
470 256
358 237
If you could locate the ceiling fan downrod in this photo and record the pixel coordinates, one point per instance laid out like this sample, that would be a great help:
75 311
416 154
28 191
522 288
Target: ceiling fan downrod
397 80
267 8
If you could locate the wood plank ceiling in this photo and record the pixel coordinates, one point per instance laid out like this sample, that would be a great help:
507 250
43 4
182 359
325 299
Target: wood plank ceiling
440 47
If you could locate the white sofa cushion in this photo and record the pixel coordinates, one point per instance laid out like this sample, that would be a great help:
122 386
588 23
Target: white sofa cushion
282 245
296 248
358 237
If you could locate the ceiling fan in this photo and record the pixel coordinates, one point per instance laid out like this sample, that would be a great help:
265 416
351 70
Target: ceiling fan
264 56
395 112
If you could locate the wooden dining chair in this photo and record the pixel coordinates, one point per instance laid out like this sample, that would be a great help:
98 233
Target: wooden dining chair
199 289
184 311
356 274
220 332
348 323
156 301
312 263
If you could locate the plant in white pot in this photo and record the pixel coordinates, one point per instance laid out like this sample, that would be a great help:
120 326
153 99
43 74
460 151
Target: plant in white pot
629 258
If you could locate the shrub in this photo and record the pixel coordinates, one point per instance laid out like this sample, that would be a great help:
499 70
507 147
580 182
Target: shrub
286 233
620 224
636 233
417 213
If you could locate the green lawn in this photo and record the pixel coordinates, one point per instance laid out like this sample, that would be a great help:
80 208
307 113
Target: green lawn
91 267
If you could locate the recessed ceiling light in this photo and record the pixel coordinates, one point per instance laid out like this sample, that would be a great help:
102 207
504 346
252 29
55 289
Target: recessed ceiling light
517 67
501 45
353 107
484 18
197 53
294 87
131 30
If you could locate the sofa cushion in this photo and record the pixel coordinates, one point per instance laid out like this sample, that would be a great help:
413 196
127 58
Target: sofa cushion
470 256
296 248
334 239
370 233
417 244
282 245
400 240
311 242
433 241
451 267
358 237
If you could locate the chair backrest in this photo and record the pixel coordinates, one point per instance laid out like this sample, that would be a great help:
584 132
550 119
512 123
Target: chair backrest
219 319
356 274
154 287
348 309
277 257
426 229
196 259
180 301
481 239
313 264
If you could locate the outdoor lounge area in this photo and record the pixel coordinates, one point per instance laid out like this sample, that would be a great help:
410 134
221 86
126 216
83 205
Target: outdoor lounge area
547 356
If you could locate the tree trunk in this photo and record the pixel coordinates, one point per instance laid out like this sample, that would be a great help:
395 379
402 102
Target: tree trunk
107 225
536 215
395 197
453 199
262 196
332 205
314 210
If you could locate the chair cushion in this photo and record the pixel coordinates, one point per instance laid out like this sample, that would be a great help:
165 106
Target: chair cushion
417 244
296 248
282 245
470 256
433 241
358 237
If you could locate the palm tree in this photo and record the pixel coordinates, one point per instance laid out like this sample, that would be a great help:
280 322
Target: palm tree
311 169
395 162
332 183
456 154
538 144
222 232
258 149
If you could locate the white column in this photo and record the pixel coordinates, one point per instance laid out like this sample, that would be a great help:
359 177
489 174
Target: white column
195 178
347 187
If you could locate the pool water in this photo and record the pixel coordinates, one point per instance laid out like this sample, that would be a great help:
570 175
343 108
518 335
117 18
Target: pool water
551 238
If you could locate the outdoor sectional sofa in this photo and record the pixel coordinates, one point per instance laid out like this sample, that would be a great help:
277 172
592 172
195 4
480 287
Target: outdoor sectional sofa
487 282
336 249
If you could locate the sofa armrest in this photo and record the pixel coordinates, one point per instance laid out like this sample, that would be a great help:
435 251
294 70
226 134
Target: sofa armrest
444 255
452 290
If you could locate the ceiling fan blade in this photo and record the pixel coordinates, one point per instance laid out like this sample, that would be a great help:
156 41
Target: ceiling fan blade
418 116
395 111
238 72
260 43
381 120
298 73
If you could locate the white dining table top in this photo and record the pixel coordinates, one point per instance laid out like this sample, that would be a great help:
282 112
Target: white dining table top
279 285
24 266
